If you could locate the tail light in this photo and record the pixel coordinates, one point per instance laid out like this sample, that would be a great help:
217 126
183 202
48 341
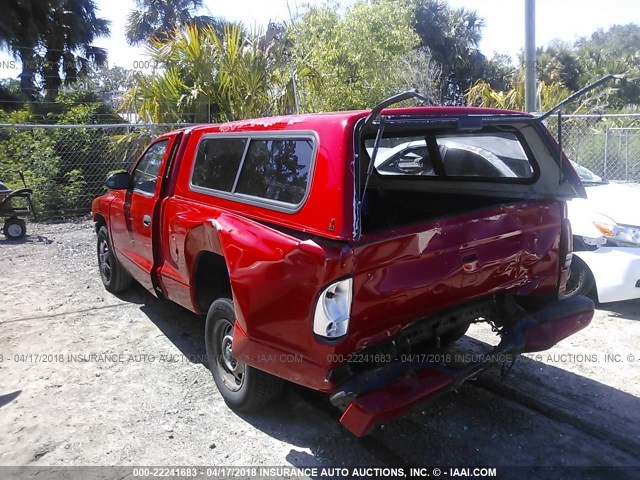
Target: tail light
333 310
565 251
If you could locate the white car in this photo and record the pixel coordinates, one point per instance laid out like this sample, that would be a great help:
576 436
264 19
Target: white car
606 239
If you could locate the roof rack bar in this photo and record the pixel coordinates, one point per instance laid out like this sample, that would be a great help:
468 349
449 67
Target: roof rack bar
375 111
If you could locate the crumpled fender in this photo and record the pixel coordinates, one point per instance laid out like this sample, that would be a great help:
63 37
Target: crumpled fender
275 278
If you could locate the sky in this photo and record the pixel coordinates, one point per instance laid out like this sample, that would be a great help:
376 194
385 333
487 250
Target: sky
503 33
566 20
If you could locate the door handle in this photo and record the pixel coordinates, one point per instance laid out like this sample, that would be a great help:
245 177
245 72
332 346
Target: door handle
469 261
146 221
470 258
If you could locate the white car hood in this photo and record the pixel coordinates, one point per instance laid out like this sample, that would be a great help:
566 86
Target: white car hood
619 202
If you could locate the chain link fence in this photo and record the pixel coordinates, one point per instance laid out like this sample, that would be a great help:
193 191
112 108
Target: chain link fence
66 165
608 145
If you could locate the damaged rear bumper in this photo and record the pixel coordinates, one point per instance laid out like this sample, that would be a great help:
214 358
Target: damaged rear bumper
394 389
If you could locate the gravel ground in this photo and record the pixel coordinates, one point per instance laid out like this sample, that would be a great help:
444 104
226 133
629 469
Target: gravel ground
146 398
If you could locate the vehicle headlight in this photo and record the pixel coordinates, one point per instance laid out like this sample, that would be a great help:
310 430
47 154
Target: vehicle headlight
620 233
333 310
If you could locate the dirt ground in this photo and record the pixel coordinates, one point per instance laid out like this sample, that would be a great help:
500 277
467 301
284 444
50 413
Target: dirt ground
89 378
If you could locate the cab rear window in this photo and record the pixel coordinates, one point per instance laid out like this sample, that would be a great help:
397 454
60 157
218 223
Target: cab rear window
271 170
217 163
276 170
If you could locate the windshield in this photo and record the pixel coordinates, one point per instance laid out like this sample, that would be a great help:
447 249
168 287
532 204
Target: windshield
586 175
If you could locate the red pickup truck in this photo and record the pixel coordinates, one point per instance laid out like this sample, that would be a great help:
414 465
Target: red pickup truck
345 251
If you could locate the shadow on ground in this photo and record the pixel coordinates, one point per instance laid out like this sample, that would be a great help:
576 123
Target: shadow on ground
182 327
629 309
539 415
27 239
9 397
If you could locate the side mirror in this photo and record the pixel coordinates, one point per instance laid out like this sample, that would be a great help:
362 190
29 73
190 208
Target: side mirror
118 181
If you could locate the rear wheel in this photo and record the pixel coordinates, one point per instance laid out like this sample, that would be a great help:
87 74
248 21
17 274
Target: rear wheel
14 228
580 281
243 388
114 277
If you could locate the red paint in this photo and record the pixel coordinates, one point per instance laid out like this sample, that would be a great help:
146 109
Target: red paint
278 262
126 210
393 400
543 337
419 387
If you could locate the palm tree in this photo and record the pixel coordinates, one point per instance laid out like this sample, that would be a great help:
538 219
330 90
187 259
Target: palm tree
21 26
452 36
558 63
72 26
482 95
63 29
158 19
204 76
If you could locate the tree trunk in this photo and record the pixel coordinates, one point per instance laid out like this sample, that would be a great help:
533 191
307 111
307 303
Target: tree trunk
26 76
51 74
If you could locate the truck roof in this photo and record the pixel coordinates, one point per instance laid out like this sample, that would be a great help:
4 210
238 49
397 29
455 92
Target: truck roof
308 120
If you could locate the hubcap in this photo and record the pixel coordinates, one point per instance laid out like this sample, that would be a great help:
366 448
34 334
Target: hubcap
104 260
14 230
231 370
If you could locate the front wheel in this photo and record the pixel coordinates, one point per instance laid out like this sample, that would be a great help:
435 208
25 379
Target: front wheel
114 277
243 388
580 281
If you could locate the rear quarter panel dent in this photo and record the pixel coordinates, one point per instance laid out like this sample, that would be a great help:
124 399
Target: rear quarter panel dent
276 279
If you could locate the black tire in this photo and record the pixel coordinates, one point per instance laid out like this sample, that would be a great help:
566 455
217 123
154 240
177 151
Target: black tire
243 388
114 277
14 228
580 281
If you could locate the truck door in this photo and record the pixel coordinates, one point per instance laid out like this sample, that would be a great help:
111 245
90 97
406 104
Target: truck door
132 217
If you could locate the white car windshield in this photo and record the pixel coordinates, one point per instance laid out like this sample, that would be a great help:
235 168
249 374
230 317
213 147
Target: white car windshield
586 175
